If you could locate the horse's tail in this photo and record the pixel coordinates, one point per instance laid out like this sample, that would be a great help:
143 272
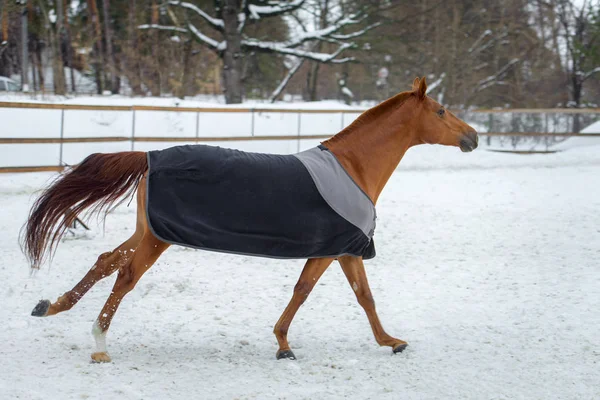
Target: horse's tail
97 182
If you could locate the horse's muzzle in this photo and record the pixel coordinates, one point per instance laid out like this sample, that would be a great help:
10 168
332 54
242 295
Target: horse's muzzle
469 141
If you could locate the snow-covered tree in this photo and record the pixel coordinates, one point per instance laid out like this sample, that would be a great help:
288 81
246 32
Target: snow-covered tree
581 30
224 33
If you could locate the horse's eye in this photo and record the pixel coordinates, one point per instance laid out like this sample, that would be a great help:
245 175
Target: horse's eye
441 112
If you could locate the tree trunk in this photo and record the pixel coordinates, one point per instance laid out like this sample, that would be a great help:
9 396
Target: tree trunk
97 46
56 42
70 61
4 18
114 83
133 60
232 55
156 82
40 68
185 71
24 49
313 79
33 71
313 75
576 92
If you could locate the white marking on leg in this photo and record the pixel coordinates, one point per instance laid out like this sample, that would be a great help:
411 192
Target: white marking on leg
99 337
354 286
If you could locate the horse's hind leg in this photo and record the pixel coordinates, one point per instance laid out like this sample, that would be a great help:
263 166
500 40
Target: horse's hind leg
147 252
311 273
106 265
354 270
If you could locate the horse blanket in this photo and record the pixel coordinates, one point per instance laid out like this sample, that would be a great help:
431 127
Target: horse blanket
302 205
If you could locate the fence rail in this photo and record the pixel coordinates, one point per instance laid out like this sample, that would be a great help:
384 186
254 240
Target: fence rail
237 109
116 139
61 134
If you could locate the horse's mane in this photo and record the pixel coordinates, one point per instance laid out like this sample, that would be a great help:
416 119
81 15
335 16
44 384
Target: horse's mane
371 114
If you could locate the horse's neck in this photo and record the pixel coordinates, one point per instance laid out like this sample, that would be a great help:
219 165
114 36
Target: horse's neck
371 148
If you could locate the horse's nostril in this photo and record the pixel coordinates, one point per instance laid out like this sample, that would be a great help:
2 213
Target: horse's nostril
469 141
473 136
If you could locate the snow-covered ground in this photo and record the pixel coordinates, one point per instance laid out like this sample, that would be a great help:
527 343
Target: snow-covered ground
488 265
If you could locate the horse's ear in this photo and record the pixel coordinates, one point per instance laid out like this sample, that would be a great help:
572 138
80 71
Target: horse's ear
422 89
415 84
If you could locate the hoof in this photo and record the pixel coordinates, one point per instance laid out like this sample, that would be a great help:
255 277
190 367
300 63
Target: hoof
285 354
41 309
100 357
400 348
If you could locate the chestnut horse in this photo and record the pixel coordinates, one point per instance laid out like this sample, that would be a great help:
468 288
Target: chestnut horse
369 150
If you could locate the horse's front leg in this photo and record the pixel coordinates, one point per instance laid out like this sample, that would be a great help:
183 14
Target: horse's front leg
311 273
354 270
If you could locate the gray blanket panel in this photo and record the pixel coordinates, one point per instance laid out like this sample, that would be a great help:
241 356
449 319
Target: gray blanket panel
338 189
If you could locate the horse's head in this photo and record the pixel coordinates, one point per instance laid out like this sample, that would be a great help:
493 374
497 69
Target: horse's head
436 125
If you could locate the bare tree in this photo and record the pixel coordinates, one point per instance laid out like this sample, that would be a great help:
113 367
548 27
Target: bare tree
59 65
69 43
58 72
231 43
133 63
97 35
24 48
114 81
582 38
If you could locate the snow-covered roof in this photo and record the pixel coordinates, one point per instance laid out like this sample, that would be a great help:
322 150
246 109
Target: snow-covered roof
593 128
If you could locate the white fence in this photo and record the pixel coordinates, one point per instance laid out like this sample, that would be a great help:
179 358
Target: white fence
47 136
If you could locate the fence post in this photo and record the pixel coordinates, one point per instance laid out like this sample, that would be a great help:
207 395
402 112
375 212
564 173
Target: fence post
252 127
132 128
197 125
491 123
62 135
298 129
342 124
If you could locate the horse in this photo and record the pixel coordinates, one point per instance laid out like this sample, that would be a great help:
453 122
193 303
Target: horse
369 151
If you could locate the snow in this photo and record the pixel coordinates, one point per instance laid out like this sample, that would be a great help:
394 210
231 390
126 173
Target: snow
83 83
196 101
487 265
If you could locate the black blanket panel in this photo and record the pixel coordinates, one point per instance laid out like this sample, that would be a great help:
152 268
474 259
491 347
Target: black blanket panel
246 203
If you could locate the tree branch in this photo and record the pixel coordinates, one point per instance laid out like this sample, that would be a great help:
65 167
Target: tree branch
210 42
274 47
320 34
495 79
213 22
162 28
273 8
590 73
286 80
357 33
202 38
